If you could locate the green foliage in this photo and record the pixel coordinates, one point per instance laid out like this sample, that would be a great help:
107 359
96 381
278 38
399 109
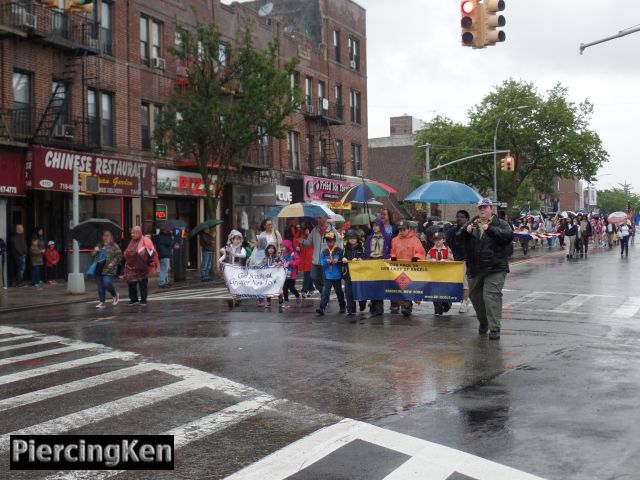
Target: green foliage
549 138
229 102
616 199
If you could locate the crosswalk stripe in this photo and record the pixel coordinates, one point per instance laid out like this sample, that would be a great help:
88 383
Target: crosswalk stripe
106 410
573 303
43 341
47 353
57 367
16 337
629 308
84 383
191 432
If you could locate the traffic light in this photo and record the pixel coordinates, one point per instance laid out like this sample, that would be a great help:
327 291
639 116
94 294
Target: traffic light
508 163
491 21
89 183
78 6
471 23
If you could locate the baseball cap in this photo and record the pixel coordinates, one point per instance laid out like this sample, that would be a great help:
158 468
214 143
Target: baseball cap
51 242
330 236
402 225
485 202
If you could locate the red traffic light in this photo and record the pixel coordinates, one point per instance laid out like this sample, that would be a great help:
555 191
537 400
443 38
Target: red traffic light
468 6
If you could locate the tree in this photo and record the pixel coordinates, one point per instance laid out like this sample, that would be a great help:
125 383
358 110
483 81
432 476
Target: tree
549 138
233 96
618 198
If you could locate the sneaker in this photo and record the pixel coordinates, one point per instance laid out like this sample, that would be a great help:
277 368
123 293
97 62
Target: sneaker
446 307
463 307
116 299
483 330
101 306
133 302
320 312
143 304
494 335
285 305
298 300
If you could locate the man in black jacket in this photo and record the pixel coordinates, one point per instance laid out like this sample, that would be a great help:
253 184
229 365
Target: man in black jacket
488 245
19 252
459 254
164 246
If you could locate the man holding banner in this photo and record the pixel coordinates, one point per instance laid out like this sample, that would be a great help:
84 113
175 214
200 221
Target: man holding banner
488 244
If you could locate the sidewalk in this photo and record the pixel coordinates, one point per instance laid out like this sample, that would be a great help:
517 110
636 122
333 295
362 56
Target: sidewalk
28 297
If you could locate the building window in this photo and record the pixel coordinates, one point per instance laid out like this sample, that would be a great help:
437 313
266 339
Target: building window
336 44
354 105
60 107
150 36
356 158
295 83
293 150
308 91
310 149
223 51
322 146
145 126
106 36
340 152
338 93
22 116
354 54
100 119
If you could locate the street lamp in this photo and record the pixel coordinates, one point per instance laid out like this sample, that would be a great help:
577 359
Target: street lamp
495 148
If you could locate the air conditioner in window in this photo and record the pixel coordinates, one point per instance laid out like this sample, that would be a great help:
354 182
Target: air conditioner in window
63 130
359 173
322 171
352 64
158 63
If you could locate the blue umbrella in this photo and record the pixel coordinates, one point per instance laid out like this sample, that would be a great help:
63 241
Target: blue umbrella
444 191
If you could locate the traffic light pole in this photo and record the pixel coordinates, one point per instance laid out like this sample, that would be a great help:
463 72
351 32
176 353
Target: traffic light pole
75 281
621 33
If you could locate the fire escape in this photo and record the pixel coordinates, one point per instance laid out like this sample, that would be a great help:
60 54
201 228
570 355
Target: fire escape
322 115
76 41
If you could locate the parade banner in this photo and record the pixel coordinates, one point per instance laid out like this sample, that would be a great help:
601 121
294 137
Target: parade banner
249 282
417 281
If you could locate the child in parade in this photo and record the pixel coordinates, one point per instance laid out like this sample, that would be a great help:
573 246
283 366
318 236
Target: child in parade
291 261
51 260
271 260
440 253
353 251
234 252
406 246
330 257
377 247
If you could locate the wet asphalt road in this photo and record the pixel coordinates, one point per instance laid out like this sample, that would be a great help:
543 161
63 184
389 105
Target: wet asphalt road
557 397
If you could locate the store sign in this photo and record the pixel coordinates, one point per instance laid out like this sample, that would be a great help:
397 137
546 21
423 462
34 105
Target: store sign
270 195
12 181
161 211
52 169
324 189
175 182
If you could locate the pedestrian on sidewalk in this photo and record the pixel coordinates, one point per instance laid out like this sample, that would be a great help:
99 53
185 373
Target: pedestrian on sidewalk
140 260
330 261
377 247
107 269
35 257
164 246
406 247
19 253
488 244
440 253
51 261
353 252
625 235
208 244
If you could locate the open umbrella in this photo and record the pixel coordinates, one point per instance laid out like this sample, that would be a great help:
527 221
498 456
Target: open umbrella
206 224
384 186
363 192
567 214
90 231
171 224
362 219
301 209
444 192
617 217
369 203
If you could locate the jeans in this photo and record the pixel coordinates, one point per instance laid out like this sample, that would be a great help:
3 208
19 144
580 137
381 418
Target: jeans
51 273
205 268
351 303
290 286
317 276
165 263
133 290
105 284
21 266
624 245
307 283
485 291
326 291
35 275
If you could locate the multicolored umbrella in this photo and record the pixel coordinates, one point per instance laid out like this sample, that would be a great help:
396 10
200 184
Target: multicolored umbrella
617 217
384 186
301 209
363 192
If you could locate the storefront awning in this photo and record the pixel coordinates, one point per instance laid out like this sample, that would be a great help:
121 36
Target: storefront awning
12 182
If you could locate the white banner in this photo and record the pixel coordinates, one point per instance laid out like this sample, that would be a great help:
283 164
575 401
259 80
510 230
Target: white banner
250 282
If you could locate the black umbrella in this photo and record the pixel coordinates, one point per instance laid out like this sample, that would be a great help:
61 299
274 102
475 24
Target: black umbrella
171 224
90 231
206 224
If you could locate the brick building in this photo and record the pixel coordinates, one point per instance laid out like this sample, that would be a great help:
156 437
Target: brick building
87 88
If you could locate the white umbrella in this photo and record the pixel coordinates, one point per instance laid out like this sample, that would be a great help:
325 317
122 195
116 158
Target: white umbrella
330 213
617 217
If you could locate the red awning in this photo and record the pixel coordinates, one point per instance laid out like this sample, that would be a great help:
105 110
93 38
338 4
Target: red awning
12 180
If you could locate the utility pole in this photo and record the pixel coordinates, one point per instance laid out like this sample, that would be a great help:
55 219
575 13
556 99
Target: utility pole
621 33
75 282
427 169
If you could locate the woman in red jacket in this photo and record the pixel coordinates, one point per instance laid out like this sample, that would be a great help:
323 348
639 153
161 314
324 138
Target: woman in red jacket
306 260
51 261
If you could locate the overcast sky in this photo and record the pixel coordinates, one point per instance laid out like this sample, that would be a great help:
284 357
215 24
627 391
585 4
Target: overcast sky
417 66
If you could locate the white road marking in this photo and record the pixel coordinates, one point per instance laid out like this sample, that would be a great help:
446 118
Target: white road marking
15 337
573 303
57 367
83 383
299 455
48 353
28 344
629 308
555 294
